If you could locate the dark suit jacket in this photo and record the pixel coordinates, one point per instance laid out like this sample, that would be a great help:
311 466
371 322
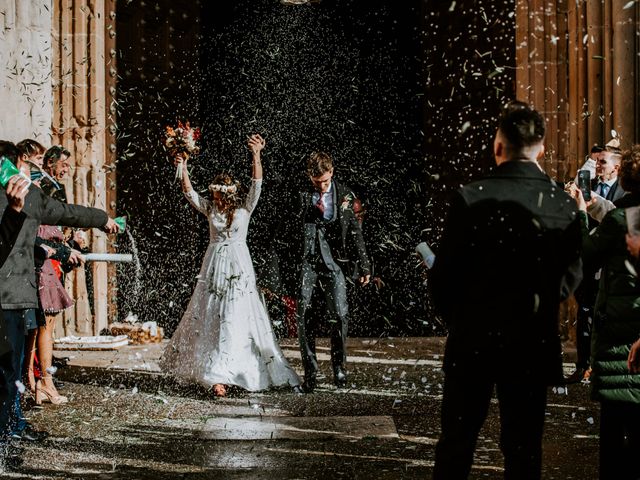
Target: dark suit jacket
344 238
614 193
509 254
9 229
18 286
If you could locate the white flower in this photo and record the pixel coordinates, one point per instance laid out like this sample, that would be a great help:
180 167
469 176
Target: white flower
223 188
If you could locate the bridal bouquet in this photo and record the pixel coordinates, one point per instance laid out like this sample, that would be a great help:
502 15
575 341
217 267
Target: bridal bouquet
182 141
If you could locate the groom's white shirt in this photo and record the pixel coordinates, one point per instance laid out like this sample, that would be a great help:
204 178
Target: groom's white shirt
327 199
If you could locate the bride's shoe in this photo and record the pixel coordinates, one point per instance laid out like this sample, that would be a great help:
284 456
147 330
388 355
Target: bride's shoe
44 394
219 390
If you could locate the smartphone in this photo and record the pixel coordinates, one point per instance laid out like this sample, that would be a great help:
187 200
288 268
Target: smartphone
426 254
584 183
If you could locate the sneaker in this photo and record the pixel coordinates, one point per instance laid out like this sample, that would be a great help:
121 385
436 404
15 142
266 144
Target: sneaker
29 434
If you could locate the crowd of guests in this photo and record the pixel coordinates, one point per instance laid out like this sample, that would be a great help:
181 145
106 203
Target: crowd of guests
516 244
32 292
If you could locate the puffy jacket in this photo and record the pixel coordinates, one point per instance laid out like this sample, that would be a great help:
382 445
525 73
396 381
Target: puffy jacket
617 311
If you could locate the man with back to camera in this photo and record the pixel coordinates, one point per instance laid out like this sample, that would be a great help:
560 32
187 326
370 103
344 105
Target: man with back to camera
509 254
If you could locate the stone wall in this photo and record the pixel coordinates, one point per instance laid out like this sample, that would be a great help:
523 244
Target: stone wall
25 56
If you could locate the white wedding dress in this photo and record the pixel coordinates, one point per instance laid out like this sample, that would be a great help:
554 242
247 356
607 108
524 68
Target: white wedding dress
225 335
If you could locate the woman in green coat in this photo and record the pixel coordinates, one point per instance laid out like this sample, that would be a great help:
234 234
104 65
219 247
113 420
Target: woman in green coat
616 326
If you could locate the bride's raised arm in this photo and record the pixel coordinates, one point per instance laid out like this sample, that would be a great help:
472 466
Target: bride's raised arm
256 143
201 204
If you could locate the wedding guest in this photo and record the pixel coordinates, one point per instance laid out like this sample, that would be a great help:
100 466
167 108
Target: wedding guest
12 220
57 165
633 360
31 152
607 190
18 290
509 253
56 257
616 326
225 335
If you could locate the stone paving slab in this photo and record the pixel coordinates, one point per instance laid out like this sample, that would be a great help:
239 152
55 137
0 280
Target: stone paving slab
298 428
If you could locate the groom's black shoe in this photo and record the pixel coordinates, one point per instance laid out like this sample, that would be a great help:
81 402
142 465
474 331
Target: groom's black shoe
340 378
309 385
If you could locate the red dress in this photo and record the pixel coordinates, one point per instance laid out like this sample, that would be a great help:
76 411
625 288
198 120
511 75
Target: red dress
53 296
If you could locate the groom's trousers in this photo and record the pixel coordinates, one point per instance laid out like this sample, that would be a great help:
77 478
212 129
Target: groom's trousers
331 283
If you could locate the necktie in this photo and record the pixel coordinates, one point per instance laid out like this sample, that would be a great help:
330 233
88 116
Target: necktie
320 205
604 189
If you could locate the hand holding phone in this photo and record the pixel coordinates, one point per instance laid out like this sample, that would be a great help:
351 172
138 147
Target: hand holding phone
584 184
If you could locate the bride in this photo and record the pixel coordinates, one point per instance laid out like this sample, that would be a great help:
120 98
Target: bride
225 336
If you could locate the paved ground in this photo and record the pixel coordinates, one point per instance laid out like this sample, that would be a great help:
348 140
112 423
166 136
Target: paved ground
126 420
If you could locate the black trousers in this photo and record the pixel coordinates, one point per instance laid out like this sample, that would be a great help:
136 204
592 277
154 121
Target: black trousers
333 286
586 299
11 370
619 441
465 403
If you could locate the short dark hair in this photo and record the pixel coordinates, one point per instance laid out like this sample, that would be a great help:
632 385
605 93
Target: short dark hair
596 149
30 147
521 125
54 154
8 149
630 170
319 163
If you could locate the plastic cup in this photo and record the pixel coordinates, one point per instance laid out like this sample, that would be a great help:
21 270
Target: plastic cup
7 170
122 223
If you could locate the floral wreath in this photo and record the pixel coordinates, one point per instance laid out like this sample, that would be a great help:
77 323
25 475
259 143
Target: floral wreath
223 188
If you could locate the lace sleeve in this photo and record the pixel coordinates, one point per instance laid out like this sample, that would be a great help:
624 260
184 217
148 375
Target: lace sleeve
253 195
201 204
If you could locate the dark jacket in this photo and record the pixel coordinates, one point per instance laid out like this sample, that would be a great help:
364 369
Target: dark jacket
9 229
344 238
615 191
18 287
616 322
509 254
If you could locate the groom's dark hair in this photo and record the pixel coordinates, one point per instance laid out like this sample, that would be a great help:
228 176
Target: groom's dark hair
319 163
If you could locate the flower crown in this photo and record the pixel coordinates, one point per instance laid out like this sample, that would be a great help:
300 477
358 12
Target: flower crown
223 188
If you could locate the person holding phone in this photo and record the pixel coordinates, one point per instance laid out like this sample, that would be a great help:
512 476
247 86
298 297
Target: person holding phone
616 323
600 194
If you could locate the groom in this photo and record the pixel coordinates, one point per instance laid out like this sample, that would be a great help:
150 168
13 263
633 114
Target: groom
332 240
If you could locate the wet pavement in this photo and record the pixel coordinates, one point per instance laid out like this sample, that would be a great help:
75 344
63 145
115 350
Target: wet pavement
126 420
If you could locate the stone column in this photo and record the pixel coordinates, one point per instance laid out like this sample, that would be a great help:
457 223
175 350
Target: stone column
79 123
25 56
